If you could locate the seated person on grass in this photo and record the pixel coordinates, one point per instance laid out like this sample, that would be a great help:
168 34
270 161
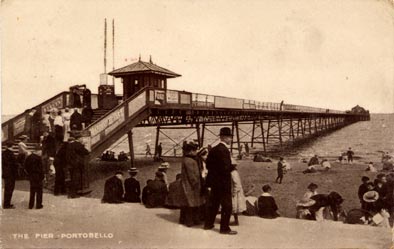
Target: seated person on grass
266 204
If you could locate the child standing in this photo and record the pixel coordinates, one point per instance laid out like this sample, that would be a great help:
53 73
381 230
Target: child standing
281 170
239 202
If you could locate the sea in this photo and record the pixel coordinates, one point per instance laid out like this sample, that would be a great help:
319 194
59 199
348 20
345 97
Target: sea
368 140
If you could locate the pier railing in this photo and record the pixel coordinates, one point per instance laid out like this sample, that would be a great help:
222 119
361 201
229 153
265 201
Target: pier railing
198 100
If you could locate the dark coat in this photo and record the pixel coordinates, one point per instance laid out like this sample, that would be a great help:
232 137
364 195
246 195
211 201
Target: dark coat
113 190
132 190
362 190
49 146
155 194
267 207
9 165
87 97
60 161
314 161
176 196
219 169
280 168
191 182
76 100
34 168
332 200
87 115
75 154
76 121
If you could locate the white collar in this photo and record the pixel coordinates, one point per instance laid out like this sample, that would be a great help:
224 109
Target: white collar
227 146
266 194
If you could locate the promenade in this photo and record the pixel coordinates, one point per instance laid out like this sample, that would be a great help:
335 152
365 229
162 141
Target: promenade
86 223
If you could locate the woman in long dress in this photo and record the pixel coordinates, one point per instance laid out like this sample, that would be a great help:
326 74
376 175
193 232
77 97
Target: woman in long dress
239 202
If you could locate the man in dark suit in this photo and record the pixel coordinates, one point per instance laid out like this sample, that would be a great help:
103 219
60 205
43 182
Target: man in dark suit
219 183
9 174
60 166
75 155
113 189
76 120
34 168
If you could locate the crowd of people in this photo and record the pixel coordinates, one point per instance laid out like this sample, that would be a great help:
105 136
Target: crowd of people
64 160
60 122
208 182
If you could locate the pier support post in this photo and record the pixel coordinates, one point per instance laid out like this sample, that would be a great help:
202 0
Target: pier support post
262 134
157 138
253 127
280 130
131 147
198 135
238 142
202 135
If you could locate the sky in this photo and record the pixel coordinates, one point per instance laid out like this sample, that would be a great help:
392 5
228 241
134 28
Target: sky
324 53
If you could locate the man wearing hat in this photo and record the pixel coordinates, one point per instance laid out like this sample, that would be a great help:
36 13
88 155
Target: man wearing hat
132 187
76 120
35 170
9 174
218 182
113 189
75 155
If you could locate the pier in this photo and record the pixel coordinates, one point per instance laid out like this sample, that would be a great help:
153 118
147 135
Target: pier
148 102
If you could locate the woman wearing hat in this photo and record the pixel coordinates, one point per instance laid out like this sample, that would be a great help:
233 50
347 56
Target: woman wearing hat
132 187
306 201
191 185
370 199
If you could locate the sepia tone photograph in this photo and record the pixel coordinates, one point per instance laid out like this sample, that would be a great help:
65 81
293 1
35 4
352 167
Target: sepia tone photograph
197 124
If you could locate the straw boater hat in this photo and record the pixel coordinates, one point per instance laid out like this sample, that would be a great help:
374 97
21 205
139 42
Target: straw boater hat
132 170
371 196
23 137
164 165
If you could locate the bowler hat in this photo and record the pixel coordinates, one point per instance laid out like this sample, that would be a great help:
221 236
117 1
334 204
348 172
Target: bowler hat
225 131
371 196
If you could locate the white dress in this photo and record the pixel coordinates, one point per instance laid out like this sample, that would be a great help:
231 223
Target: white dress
239 202
66 119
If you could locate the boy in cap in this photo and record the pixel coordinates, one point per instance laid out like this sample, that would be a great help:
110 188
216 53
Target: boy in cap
281 168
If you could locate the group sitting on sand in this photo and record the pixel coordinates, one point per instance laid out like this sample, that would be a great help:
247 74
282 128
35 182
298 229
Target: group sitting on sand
314 162
198 195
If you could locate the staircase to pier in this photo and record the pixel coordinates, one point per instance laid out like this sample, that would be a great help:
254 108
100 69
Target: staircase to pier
107 126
